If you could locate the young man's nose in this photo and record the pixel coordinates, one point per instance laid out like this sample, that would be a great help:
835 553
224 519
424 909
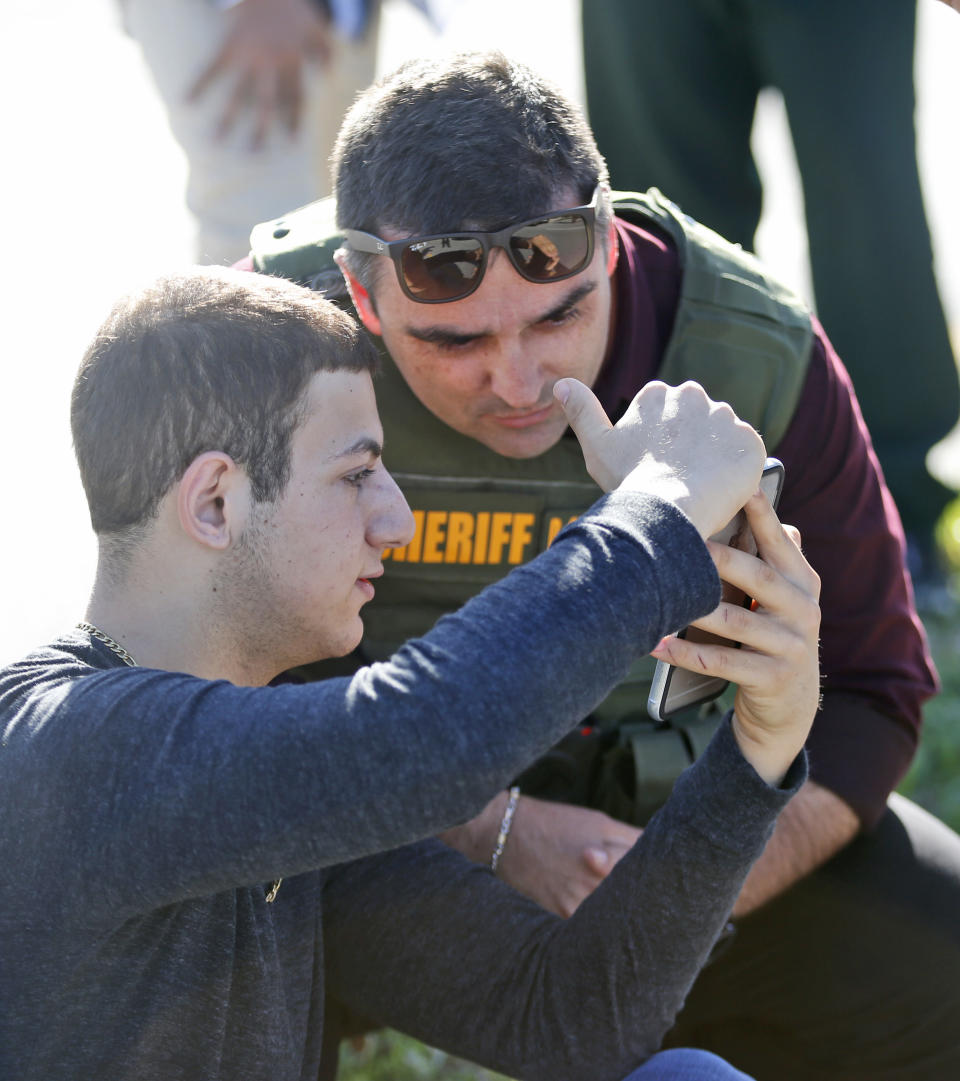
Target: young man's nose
391 523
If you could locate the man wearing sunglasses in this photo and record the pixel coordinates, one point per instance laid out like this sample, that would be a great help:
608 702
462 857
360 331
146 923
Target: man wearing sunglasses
479 241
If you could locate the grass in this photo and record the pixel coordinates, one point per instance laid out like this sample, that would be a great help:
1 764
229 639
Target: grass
934 777
389 1056
933 782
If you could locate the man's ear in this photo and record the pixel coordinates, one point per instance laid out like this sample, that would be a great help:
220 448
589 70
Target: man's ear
613 247
361 298
213 499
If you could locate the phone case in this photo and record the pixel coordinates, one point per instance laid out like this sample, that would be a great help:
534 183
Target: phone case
675 689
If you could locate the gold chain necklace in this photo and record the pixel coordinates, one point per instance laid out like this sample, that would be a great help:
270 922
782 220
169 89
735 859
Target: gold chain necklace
113 645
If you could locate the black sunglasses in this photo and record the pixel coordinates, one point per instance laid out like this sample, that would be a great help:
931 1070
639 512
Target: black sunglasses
450 266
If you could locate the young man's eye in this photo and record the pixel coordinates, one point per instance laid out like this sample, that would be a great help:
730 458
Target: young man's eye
357 479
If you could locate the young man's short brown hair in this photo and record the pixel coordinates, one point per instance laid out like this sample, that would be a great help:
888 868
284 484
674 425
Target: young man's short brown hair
208 359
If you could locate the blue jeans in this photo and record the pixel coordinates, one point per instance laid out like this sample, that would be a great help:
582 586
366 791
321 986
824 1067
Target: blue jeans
686 1064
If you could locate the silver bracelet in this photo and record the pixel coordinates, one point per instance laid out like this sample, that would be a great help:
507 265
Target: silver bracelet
505 823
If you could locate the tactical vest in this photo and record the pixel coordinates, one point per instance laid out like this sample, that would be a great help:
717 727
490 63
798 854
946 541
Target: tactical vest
742 335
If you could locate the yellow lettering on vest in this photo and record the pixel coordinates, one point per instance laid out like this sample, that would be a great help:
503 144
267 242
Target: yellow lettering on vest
483 532
521 536
434 535
459 537
499 535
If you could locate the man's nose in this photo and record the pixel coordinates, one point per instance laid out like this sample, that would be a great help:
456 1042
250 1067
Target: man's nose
391 523
516 378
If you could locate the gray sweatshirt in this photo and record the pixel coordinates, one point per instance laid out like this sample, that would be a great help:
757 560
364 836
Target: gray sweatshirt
143 813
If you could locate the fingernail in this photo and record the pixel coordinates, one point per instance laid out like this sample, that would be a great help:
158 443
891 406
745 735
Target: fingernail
561 391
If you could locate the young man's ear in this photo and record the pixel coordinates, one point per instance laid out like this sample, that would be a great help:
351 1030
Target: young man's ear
213 500
361 298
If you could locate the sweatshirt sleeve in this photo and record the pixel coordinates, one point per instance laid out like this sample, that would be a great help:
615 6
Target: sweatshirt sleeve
588 997
143 787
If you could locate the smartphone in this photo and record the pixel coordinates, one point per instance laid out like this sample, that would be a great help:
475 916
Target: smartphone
674 689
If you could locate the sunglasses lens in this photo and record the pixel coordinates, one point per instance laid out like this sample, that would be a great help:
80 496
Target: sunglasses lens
553 248
442 269
451 267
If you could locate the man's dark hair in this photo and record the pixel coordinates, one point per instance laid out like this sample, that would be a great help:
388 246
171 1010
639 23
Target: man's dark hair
209 359
472 141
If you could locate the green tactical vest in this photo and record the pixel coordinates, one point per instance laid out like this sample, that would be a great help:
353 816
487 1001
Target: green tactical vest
739 333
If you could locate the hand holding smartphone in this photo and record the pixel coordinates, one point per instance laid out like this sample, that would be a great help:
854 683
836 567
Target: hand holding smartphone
674 689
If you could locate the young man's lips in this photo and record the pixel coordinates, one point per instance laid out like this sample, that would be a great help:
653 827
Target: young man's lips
523 420
366 586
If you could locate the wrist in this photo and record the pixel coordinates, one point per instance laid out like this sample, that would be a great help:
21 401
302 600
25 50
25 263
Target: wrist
770 754
477 838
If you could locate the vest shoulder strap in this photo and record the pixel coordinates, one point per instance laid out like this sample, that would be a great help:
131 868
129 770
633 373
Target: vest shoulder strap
300 246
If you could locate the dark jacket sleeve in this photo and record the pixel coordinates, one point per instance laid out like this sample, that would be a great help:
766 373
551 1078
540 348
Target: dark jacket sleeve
429 943
875 662
139 788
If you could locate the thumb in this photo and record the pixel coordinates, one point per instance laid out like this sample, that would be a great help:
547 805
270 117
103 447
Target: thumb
583 411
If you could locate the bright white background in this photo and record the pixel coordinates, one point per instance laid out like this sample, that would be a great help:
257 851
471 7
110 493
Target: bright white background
90 194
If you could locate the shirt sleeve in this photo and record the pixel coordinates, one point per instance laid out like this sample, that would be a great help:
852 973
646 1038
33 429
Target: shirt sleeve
137 788
875 662
428 943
